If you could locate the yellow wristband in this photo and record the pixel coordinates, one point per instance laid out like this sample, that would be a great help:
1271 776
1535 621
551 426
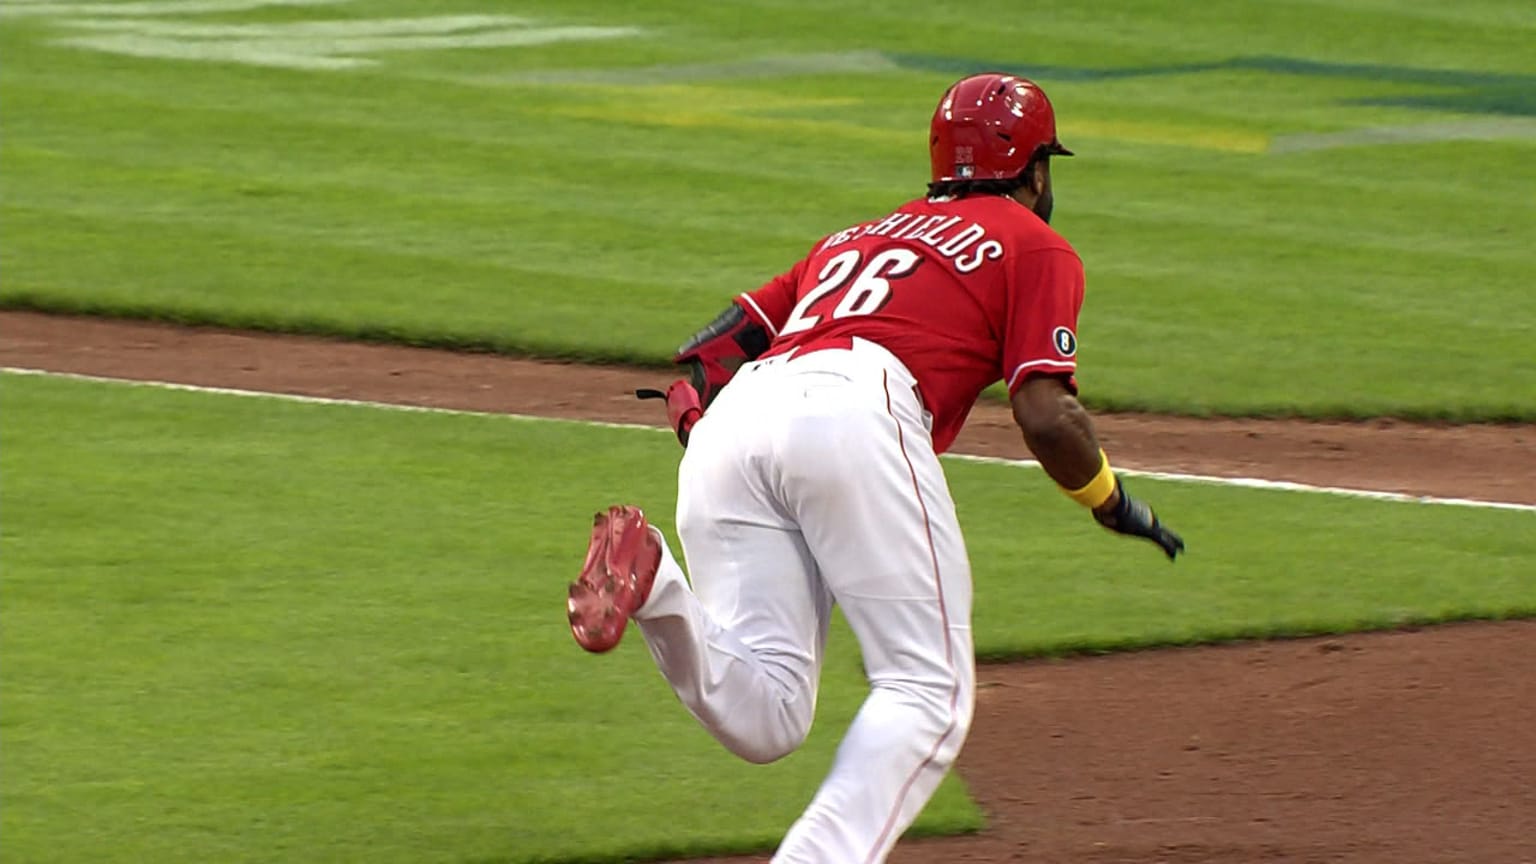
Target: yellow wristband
1097 490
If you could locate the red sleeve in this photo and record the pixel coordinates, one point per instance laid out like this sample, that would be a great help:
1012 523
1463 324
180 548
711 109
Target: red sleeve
1045 293
771 304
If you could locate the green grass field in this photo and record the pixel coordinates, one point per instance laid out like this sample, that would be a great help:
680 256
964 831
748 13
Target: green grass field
249 630
242 630
602 188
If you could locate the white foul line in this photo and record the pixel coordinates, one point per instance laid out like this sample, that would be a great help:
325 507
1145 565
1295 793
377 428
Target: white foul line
317 400
1277 485
1242 482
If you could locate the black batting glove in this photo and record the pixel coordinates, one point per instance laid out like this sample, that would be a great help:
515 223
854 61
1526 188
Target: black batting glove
1136 519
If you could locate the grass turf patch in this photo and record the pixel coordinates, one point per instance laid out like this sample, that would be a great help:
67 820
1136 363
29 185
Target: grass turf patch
1260 563
244 630
241 629
604 197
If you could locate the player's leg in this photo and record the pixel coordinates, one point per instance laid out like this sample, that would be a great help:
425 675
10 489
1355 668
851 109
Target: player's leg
742 650
892 554
743 647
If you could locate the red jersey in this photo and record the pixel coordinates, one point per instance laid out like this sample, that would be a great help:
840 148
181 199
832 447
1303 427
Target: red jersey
966 292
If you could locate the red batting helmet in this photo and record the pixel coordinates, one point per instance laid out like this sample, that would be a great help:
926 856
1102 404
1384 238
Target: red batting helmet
989 126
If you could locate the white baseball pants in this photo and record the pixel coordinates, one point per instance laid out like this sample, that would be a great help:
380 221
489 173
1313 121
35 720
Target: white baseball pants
811 481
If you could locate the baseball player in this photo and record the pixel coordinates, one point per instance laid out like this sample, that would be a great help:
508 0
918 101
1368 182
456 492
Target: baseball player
813 479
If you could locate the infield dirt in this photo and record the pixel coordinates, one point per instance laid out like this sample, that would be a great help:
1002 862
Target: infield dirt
1372 748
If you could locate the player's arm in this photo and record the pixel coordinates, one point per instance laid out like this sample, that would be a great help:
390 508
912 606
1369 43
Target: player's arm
1059 432
741 333
1057 429
712 356
715 353
1045 294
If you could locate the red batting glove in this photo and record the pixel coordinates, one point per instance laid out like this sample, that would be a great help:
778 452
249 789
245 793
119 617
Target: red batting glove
684 408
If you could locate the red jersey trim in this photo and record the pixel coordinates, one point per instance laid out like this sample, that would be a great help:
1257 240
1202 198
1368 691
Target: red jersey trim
1056 366
761 318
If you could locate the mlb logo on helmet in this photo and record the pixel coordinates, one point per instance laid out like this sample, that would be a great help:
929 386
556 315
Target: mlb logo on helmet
963 159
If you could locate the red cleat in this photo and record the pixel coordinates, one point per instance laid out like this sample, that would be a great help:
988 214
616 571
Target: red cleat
621 566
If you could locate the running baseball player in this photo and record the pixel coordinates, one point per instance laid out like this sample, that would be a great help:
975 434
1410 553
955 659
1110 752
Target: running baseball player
813 479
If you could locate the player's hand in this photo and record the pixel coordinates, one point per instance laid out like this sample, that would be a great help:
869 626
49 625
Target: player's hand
684 408
1132 517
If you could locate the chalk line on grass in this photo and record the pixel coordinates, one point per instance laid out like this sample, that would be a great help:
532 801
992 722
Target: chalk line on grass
1205 479
1276 485
316 400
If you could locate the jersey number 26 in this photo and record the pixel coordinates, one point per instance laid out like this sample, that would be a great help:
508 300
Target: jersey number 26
867 292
